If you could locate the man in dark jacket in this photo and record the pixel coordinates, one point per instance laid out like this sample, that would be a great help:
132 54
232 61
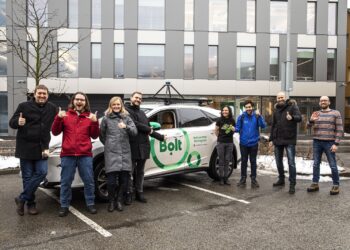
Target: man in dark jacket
140 145
32 120
284 136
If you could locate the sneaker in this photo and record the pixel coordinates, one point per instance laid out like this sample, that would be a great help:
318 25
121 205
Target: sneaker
92 209
279 183
334 190
313 187
242 182
255 183
20 206
291 189
63 211
32 210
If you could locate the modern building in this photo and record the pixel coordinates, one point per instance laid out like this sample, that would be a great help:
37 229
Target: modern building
347 87
225 50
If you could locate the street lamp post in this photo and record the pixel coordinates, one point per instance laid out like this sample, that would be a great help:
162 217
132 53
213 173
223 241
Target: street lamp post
287 71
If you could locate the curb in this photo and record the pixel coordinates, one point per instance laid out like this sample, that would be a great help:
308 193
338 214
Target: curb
9 171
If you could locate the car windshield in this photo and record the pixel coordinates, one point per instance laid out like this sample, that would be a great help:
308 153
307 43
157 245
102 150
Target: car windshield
146 110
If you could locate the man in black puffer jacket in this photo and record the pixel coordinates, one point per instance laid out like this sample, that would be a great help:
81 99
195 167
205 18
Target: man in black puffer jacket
33 120
284 136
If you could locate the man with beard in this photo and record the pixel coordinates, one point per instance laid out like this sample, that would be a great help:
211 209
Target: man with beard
327 130
33 121
78 126
284 136
140 146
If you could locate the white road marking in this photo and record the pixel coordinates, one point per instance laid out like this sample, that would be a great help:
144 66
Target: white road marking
215 193
82 217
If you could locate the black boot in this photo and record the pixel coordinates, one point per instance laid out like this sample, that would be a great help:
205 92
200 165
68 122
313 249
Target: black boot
227 182
255 183
291 189
221 182
242 182
140 197
119 206
111 206
128 198
279 183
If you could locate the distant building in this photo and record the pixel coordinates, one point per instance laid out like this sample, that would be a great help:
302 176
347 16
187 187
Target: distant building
226 50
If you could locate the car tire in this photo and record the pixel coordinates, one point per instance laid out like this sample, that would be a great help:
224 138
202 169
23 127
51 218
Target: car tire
213 171
100 179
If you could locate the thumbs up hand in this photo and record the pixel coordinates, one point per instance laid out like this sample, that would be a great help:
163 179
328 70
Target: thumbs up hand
61 113
93 117
289 117
257 112
121 124
21 120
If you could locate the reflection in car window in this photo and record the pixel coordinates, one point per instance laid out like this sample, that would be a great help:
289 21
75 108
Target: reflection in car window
193 118
165 118
211 116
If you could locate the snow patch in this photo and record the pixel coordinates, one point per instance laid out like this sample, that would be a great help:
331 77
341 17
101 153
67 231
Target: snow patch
8 162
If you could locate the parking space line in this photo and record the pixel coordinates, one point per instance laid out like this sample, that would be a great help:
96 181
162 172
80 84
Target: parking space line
215 193
82 217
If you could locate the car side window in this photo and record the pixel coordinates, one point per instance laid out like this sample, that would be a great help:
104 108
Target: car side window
166 119
212 117
193 118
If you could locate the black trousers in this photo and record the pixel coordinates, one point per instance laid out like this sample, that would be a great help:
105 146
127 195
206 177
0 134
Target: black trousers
137 174
117 183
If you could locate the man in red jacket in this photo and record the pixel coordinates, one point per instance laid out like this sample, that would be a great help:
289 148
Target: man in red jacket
78 125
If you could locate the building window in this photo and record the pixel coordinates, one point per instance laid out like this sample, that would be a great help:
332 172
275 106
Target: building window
3 58
118 60
37 13
151 14
119 14
251 16
332 18
274 64
96 14
2 12
188 63
68 60
305 64
213 63
217 15
331 64
245 63
278 16
3 113
151 61
311 18
189 14
95 60
73 14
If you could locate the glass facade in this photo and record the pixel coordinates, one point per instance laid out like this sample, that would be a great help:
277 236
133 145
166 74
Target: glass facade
3 13
274 64
188 62
305 64
217 15
3 58
37 13
31 57
119 14
151 14
331 64
68 60
118 60
213 63
332 18
189 15
96 60
96 14
73 13
151 61
278 16
3 113
245 63
311 18
250 15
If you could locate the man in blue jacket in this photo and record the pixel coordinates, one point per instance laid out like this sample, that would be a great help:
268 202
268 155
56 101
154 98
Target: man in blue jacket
247 126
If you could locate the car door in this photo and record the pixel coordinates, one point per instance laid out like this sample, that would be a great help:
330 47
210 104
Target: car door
166 156
199 130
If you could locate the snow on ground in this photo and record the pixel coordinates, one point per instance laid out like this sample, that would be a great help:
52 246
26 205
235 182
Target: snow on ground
8 162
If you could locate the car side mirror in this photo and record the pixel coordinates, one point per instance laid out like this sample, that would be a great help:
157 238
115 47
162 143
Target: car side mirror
155 125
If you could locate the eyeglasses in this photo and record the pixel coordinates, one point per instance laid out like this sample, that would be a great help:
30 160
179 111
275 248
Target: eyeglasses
79 100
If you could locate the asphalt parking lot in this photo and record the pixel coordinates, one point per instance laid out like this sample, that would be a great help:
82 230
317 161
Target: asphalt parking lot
185 212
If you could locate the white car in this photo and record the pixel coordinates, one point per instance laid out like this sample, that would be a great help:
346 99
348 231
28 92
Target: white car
190 146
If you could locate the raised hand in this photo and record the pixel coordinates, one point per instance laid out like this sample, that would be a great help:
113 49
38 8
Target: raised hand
121 124
289 117
93 117
21 120
257 112
61 113
315 115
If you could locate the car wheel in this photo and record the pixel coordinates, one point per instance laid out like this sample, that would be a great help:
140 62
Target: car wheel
213 171
100 181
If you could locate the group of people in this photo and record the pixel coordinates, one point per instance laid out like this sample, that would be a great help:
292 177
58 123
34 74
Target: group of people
327 131
125 131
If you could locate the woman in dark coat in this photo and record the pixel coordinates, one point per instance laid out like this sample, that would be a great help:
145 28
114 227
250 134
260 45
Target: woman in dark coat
115 129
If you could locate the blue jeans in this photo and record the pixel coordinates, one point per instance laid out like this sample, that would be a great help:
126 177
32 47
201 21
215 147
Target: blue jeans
320 147
250 152
33 173
279 149
69 165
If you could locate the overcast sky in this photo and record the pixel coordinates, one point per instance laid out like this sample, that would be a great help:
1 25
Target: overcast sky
348 3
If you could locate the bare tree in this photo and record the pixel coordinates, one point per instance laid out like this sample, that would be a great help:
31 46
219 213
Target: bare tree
33 41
